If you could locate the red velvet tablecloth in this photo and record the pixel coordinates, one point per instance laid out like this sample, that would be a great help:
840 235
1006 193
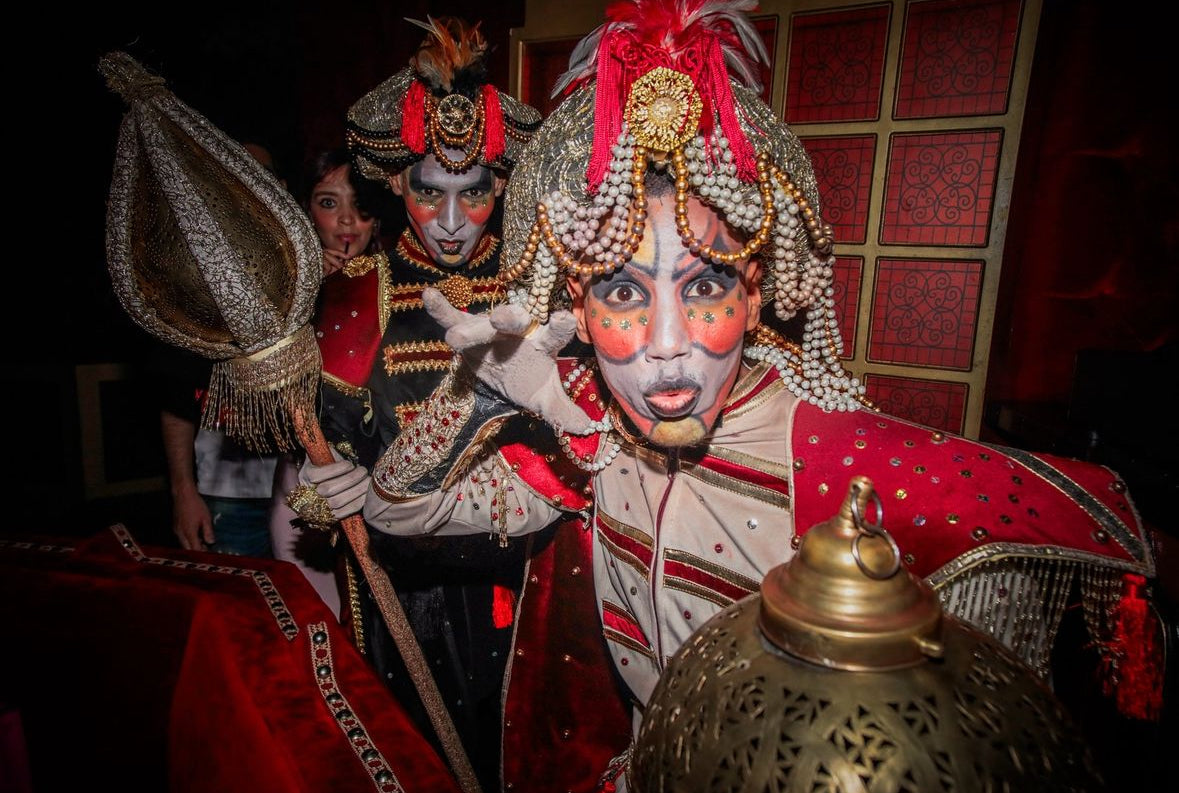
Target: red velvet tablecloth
160 669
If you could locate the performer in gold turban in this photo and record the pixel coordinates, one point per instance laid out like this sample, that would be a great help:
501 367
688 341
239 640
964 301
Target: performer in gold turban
441 137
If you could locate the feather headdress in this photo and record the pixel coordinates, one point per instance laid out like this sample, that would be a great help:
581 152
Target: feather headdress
708 40
675 26
451 49
439 104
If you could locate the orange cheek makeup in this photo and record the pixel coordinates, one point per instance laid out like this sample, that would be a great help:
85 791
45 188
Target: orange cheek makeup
479 213
718 329
618 335
421 212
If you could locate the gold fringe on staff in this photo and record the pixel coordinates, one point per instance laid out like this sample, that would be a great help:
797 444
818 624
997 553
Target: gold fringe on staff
252 397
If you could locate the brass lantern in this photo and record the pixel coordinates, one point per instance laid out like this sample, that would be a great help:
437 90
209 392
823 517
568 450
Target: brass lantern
845 675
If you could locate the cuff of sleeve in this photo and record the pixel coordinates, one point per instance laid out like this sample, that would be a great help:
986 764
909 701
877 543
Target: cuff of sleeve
442 440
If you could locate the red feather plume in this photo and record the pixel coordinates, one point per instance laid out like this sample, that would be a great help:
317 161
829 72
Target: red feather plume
705 39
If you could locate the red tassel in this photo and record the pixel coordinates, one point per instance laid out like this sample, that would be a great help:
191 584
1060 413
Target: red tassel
493 125
608 108
503 605
726 107
1137 679
413 118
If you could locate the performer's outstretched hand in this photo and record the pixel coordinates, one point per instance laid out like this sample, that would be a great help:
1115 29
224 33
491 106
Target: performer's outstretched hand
515 356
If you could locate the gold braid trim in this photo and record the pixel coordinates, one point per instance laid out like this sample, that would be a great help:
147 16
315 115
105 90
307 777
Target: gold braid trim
734 484
359 393
412 252
417 356
744 386
363 265
346 388
406 412
384 290
459 290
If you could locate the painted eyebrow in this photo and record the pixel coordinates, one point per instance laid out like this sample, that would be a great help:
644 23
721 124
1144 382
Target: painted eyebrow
714 228
695 268
416 182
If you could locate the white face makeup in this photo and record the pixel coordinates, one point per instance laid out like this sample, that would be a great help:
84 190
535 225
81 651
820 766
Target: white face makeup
448 211
668 328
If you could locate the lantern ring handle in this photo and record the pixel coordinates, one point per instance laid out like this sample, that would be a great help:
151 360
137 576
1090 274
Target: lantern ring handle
866 529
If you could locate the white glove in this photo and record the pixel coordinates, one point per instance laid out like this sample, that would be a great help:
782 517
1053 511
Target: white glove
514 356
343 484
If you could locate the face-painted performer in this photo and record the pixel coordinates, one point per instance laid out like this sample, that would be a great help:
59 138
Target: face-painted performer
678 218
439 136
668 330
448 211
444 140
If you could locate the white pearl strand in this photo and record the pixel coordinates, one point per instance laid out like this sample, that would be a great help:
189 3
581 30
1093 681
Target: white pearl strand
598 230
604 426
712 176
821 381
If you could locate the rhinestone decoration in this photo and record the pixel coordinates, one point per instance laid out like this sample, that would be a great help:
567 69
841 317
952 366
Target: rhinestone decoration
663 109
456 114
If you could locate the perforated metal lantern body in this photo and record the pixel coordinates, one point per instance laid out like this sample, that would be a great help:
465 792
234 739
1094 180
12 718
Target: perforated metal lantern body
753 702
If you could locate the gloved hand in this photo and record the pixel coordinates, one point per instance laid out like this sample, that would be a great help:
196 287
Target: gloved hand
514 356
342 484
